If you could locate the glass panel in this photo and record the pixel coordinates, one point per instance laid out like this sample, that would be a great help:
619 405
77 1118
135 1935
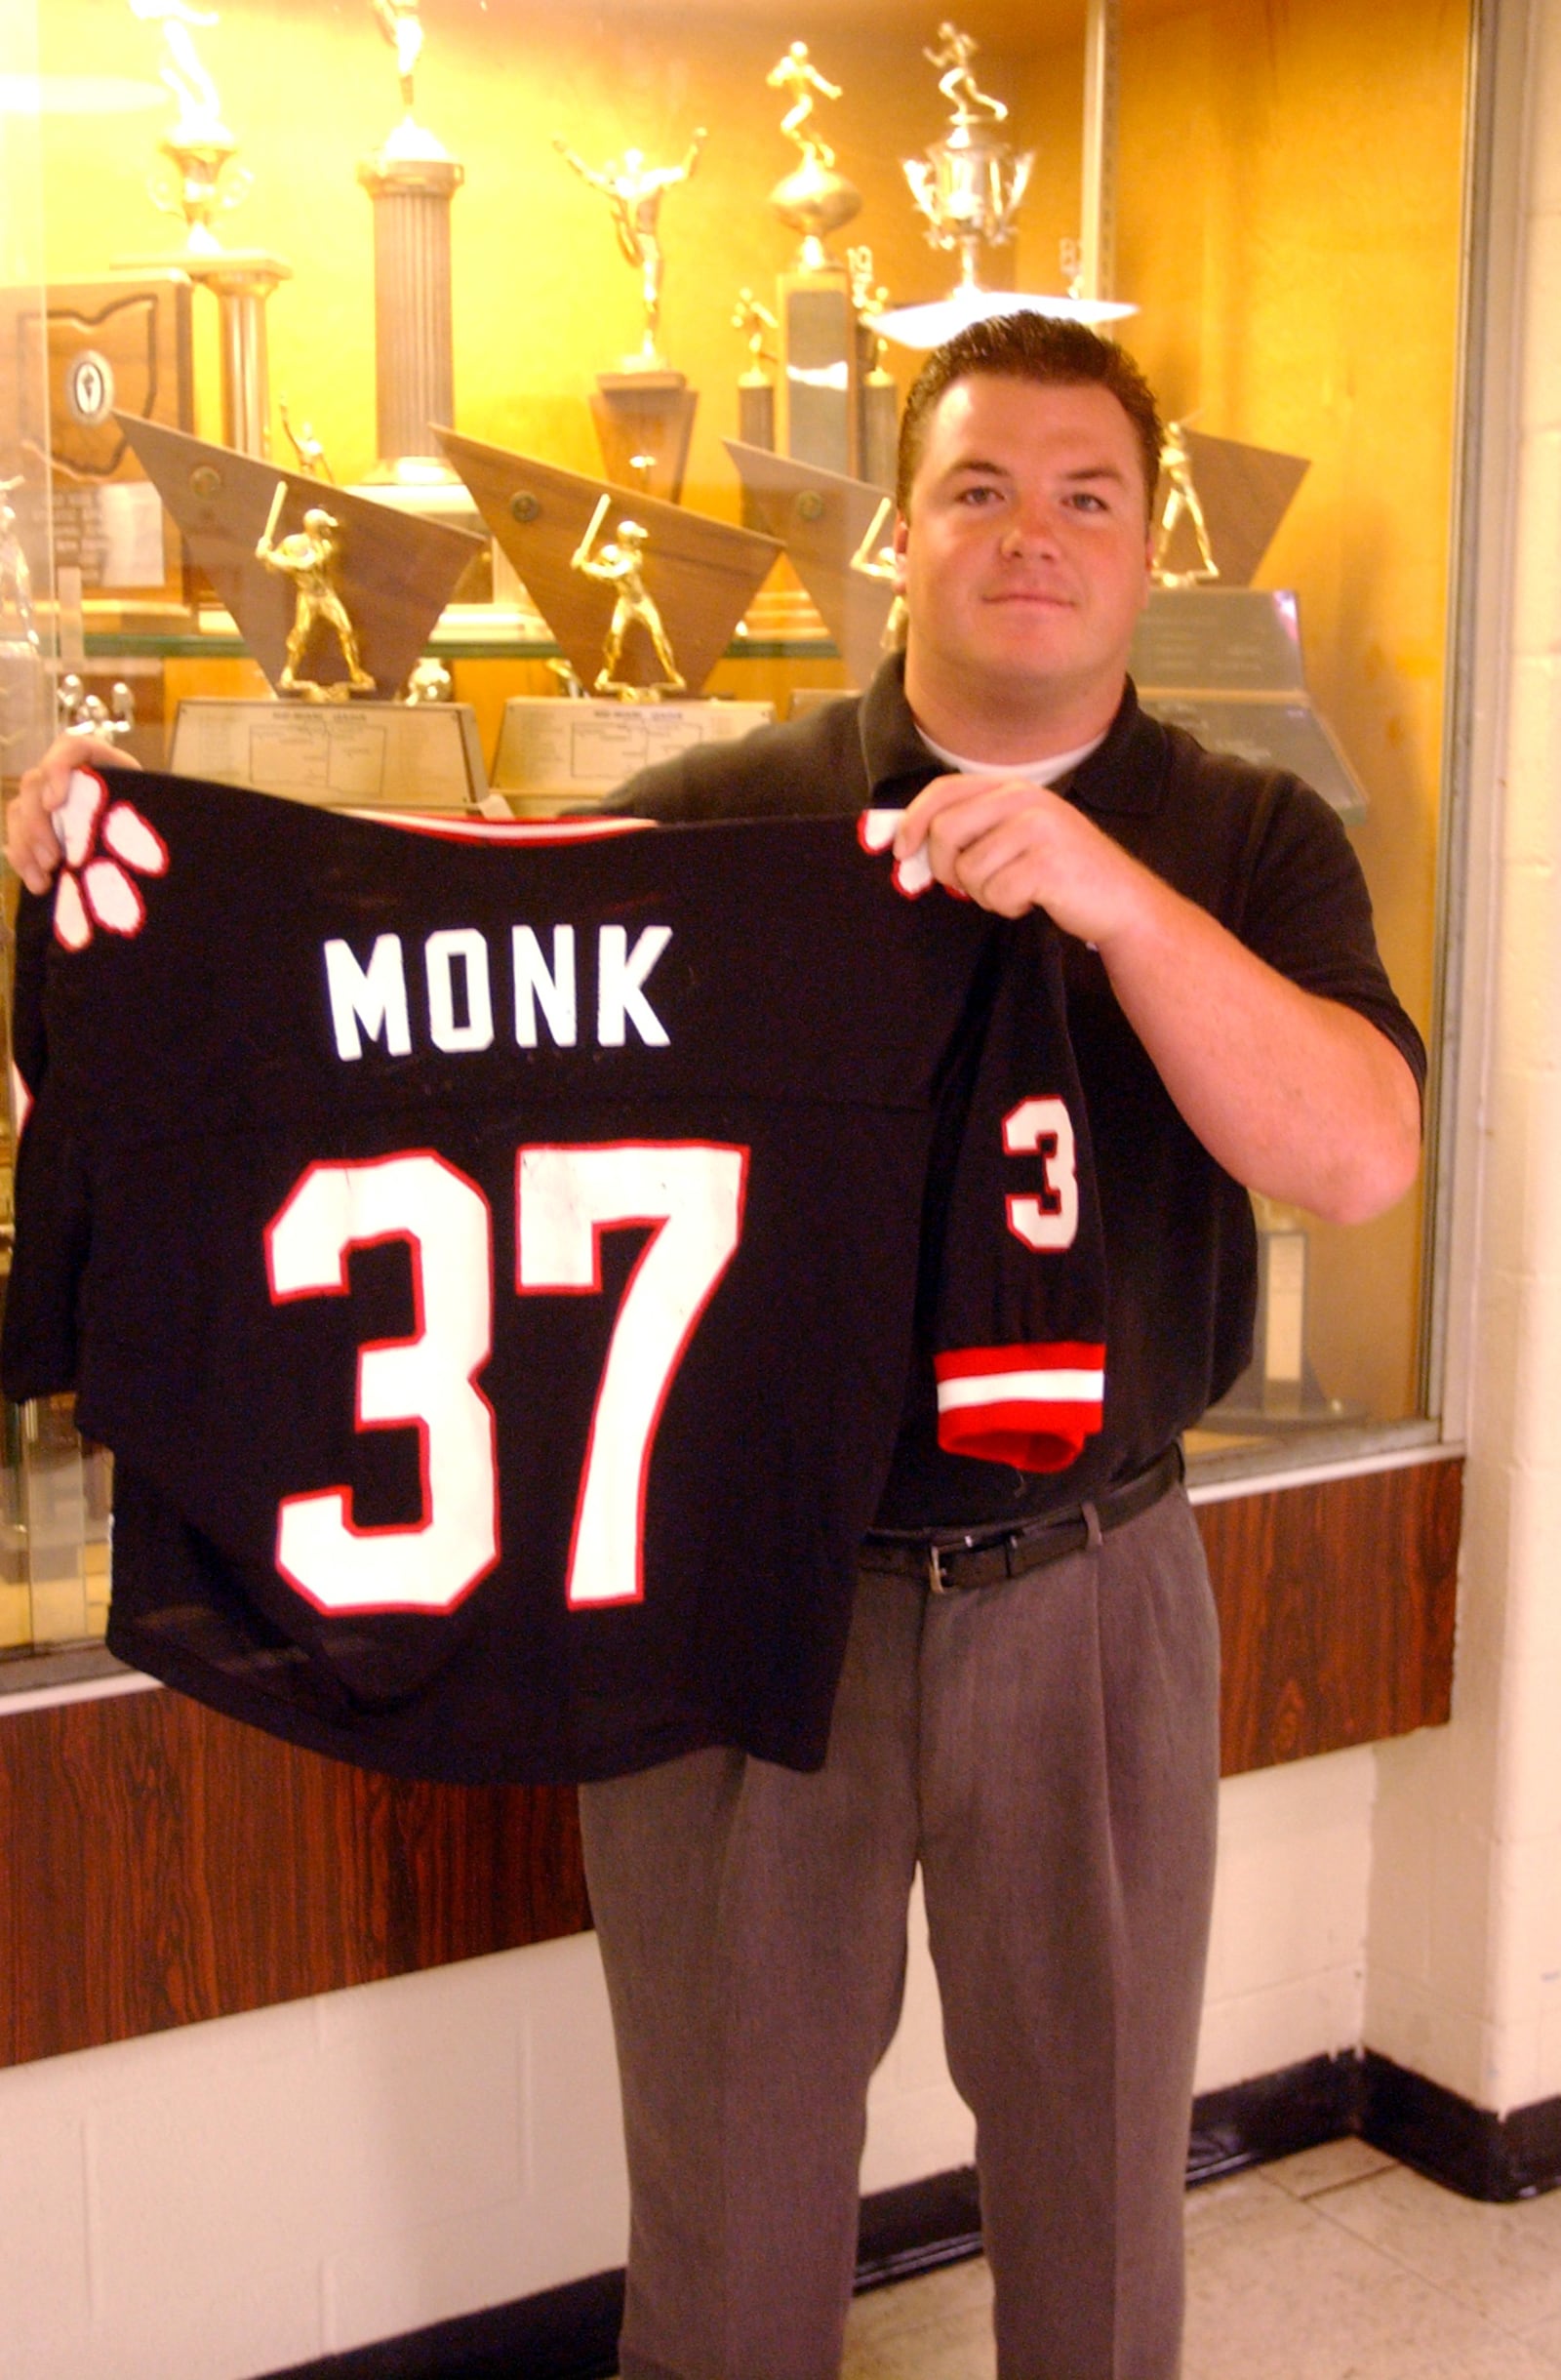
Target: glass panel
54 1552
408 242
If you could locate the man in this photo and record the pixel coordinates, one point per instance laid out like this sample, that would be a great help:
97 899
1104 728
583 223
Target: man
1041 1738
1028 1709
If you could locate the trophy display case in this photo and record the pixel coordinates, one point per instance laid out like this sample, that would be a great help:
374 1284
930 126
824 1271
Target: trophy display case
657 276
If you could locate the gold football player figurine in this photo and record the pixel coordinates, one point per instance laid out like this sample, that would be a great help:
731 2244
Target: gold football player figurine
635 191
954 53
1182 499
796 74
621 566
309 557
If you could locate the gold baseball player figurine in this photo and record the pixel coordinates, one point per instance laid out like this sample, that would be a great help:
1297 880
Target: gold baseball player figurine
954 53
309 557
200 110
877 561
796 74
307 446
621 566
16 577
635 191
1182 499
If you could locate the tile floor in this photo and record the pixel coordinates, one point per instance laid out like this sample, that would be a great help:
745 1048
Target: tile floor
1333 2265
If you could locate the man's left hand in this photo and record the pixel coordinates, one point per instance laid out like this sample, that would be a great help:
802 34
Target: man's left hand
1012 845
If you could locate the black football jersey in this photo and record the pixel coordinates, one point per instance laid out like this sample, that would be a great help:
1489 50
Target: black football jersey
490 1254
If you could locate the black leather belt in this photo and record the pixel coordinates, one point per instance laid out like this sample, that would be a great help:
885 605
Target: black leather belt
980 1558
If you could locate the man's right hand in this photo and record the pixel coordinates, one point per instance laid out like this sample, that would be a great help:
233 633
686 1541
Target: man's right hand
31 845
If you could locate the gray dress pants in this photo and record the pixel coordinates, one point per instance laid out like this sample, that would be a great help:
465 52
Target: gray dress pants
1047 1748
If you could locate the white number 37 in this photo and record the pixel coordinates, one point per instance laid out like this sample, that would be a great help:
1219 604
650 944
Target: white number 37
690 1193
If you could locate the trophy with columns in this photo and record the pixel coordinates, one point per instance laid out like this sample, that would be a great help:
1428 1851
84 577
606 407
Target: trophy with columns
201 150
412 180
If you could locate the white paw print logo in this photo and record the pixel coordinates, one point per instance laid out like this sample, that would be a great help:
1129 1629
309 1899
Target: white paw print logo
876 829
102 842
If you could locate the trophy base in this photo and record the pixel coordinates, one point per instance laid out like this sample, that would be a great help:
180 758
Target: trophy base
556 754
1226 663
819 383
644 422
389 756
1279 1390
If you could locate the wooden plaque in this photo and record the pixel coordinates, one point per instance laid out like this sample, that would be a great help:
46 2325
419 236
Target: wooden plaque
822 518
703 573
77 360
395 576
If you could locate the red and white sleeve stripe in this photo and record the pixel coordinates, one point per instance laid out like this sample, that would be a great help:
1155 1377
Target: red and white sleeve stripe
1032 1406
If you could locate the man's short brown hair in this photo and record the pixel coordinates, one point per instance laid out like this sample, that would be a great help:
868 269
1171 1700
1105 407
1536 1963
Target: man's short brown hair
1041 348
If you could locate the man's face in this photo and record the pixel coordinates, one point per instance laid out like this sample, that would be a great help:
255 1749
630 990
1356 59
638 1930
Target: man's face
1025 560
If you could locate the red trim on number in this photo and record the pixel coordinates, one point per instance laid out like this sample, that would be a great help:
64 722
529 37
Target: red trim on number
656 1224
412 1421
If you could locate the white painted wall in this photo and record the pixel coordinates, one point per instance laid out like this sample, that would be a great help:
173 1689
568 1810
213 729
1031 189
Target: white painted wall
1465 1949
234 2198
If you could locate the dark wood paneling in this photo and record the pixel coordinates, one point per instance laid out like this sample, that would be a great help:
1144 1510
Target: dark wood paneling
1336 1611
163 1865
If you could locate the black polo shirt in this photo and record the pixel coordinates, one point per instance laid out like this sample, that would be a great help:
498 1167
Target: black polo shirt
1261 851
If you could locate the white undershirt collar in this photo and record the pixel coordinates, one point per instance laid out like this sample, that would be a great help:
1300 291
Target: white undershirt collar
1037 772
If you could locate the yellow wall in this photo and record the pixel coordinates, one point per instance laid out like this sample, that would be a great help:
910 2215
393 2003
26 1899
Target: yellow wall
1288 223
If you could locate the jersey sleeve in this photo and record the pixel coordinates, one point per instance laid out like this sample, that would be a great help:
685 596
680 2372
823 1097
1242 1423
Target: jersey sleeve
1019 1352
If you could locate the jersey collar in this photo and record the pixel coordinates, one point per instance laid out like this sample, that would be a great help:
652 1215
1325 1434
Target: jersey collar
1126 774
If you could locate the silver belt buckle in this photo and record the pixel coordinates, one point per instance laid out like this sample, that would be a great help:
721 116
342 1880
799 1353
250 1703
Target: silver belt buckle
934 1572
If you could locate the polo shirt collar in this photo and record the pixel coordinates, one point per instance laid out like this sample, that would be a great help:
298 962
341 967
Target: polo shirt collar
1126 774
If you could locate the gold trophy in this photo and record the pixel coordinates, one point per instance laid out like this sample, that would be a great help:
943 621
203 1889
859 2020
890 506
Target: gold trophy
336 595
644 616
16 577
820 362
200 145
643 409
968 185
309 557
813 198
80 713
756 388
412 180
201 150
875 558
1182 503
402 29
619 565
